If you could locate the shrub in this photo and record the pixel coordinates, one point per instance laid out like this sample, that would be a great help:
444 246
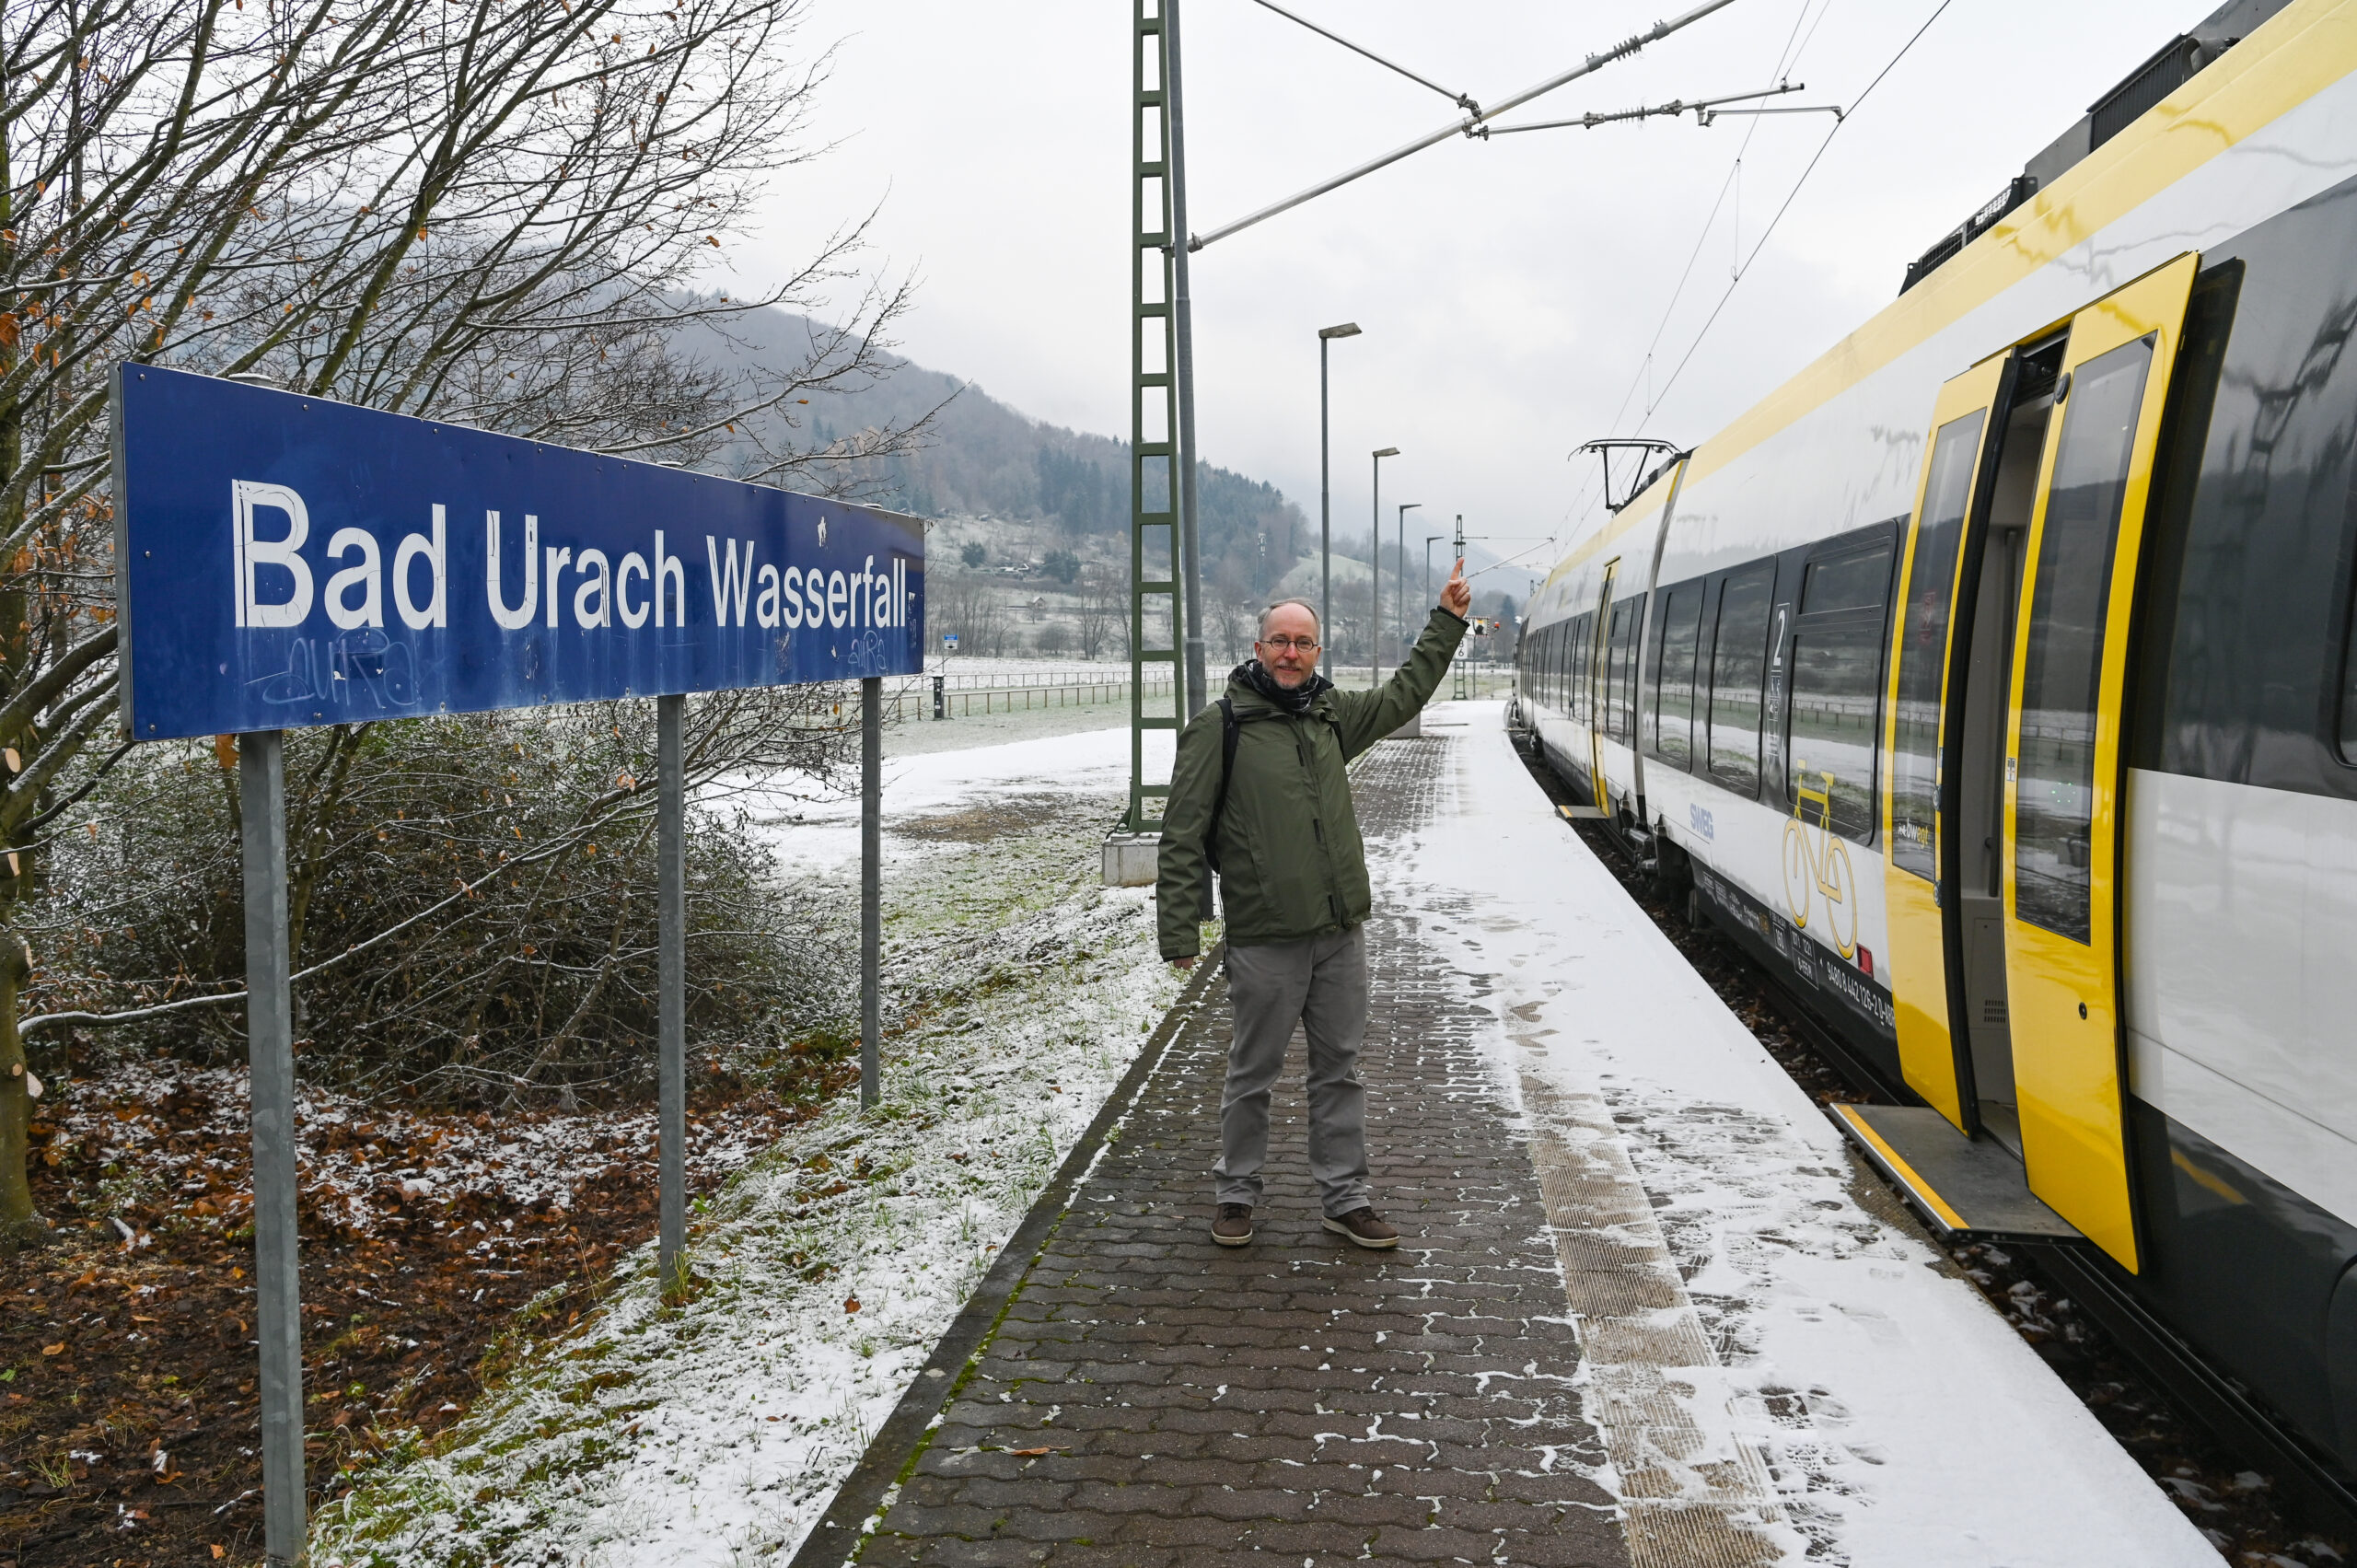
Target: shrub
493 880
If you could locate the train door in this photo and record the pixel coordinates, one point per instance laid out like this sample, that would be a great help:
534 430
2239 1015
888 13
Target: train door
1921 830
2064 761
1597 675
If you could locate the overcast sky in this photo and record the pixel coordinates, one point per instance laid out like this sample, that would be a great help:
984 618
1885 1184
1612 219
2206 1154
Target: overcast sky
1518 296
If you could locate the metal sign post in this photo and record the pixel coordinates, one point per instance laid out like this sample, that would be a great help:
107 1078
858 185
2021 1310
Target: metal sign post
284 561
871 907
270 1039
671 986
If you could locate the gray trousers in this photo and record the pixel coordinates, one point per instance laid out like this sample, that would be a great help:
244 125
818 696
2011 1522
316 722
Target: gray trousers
1321 986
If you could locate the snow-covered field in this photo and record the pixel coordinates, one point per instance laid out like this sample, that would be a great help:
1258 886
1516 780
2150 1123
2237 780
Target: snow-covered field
715 1433
1900 1419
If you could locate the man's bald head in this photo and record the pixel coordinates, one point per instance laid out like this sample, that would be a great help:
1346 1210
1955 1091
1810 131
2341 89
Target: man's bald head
1301 622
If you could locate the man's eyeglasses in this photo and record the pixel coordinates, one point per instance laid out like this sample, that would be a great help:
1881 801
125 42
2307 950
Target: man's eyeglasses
1307 645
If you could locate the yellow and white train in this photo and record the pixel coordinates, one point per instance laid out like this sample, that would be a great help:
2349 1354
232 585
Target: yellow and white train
1993 681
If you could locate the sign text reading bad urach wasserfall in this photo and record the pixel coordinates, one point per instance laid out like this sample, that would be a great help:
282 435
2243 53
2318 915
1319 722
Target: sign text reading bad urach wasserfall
284 561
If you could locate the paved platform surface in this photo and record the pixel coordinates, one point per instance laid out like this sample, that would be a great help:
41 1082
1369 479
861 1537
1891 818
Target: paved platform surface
1301 1398
1647 1311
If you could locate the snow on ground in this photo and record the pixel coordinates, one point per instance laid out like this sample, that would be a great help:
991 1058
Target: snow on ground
715 1433
1903 1421
968 732
932 798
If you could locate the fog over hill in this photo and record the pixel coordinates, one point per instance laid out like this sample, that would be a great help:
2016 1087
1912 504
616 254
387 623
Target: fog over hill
983 463
1042 511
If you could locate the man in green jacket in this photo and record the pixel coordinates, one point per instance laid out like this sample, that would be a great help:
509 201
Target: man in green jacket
1294 893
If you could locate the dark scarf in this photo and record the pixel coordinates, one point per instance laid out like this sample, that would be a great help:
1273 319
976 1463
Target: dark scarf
1296 701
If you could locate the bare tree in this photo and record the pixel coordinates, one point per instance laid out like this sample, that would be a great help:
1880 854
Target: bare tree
493 212
1233 611
1234 625
974 607
1105 612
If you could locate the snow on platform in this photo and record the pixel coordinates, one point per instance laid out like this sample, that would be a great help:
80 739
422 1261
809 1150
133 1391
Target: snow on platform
1822 1362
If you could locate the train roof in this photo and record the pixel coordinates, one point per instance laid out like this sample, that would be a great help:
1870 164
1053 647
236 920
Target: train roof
2204 92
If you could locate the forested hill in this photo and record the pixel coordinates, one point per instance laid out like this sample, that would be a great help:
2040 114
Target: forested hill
985 460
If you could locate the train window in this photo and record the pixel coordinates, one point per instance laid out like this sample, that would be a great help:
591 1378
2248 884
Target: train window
2348 681
1624 664
1738 660
2063 664
1924 646
1608 682
1681 614
1618 651
1567 668
1848 582
2247 573
1555 635
1837 674
1575 666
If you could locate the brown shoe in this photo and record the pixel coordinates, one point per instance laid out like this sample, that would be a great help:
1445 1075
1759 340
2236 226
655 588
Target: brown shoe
1233 1226
1365 1227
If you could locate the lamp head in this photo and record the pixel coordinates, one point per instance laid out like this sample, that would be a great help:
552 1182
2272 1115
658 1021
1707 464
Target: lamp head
1347 329
1388 452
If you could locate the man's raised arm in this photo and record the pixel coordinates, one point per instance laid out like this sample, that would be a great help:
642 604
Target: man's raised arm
1368 716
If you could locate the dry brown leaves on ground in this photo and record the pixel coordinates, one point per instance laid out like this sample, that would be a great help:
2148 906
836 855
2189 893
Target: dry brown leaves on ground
129 1430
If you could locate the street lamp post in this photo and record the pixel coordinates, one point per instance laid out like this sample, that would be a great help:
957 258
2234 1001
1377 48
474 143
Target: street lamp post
1326 501
1429 539
1375 577
1400 578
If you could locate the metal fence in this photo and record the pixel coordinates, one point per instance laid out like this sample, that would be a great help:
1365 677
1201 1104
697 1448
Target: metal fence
954 696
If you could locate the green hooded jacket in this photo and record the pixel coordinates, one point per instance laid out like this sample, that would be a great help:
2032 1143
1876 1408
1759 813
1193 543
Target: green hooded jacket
1292 864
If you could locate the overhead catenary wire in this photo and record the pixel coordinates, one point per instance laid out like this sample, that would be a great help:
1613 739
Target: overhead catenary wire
1462 100
1788 60
1703 108
1762 243
1469 124
1503 562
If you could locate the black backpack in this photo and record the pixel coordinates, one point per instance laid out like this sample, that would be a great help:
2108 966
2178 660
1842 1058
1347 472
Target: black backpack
1228 728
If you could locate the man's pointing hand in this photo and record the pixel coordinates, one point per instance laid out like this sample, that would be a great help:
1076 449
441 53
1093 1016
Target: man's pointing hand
1455 597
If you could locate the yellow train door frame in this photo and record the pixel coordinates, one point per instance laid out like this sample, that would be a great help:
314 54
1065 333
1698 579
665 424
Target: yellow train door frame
1921 711
2063 758
1598 688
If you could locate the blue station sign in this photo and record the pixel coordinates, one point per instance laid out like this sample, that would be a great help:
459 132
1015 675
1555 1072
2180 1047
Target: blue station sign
284 561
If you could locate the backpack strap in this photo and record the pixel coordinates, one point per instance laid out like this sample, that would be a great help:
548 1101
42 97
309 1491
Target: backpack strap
1228 730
